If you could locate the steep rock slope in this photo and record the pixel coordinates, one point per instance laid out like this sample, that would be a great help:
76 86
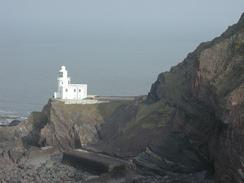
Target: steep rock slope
207 92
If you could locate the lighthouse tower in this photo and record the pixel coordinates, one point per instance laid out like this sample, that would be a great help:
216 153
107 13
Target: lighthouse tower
63 79
63 82
66 90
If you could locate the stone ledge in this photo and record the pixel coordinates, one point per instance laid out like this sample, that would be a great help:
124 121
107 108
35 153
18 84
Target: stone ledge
93 162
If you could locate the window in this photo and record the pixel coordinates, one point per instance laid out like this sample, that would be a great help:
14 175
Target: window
79 90
74 90
66 90
61 74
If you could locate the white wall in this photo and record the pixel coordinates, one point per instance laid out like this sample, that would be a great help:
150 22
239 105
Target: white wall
75 92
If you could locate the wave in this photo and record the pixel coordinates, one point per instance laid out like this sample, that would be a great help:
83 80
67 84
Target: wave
3 112
6 119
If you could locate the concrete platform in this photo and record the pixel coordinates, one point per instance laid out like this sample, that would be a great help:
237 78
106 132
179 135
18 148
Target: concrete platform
84 101
93 162
93 99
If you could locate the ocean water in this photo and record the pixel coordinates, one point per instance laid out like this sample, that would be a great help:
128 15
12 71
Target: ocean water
117 48
112 63
11 110
120 66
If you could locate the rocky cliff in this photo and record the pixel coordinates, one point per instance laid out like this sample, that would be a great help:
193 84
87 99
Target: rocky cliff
206 91
191 121
188 129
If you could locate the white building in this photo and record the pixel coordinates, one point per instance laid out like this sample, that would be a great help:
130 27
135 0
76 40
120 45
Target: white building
66 90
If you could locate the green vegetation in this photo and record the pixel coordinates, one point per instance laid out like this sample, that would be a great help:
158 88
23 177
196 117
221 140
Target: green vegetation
151 116
38 119
107 109
89 112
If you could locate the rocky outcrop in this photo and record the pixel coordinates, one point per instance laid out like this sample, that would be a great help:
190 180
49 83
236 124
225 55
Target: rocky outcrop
69 126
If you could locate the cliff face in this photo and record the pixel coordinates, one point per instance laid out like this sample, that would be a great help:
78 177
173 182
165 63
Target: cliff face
207 93
190 126
70 126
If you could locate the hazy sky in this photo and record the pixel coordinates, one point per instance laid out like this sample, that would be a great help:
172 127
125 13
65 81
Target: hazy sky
118 47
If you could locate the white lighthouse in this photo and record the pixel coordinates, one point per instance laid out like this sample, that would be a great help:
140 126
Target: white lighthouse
69 91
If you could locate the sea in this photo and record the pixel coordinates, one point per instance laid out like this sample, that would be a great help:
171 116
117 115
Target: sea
117 49
116 63
11 110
